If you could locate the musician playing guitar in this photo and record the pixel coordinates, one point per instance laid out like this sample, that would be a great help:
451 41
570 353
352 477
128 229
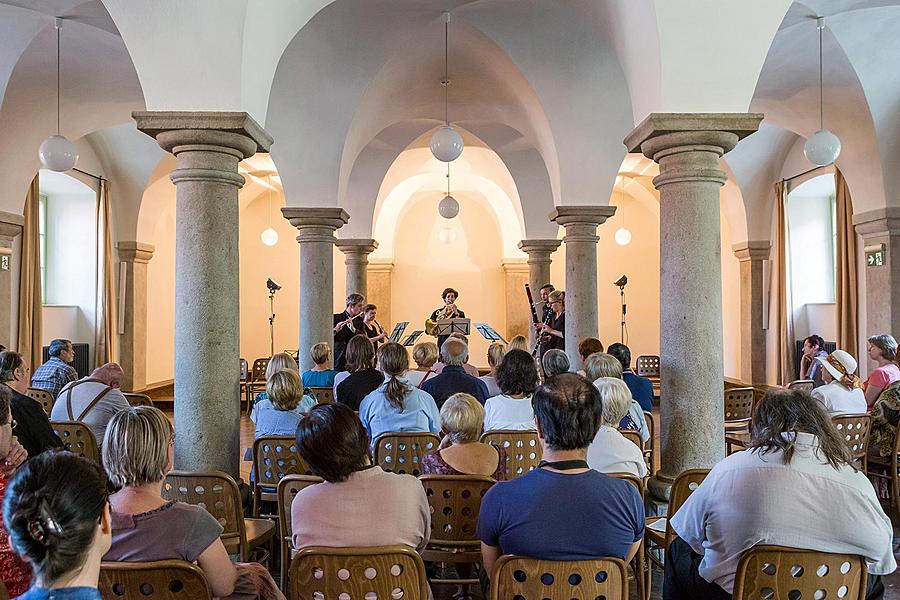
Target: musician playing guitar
346 325
448 311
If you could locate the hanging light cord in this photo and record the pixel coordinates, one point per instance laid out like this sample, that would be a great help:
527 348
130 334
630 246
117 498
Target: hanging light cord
820 24
58 27
448 179
446 81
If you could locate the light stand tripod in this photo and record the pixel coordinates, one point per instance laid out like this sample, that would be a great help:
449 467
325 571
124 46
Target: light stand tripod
621 283
273 287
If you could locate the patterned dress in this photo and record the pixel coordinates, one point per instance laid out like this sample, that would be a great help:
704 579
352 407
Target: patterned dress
885 417
434 464
16 574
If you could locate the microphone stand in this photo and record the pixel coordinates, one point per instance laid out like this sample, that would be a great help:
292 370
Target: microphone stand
622 294
272 322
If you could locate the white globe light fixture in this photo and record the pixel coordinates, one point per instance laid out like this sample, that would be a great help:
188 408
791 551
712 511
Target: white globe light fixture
56 152
269 237
623 236
448 207
446 143
447 235
823 147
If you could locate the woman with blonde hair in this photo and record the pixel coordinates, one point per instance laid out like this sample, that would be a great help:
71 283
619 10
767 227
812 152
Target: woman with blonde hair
137 453
495 355
519 342
610 452
460 452
425 354
321 375
279 362
280 412
601 364
395 405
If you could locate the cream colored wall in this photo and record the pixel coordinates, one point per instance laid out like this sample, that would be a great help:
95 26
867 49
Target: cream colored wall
161 284
731 303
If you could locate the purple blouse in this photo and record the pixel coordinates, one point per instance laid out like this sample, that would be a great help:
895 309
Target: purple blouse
173 531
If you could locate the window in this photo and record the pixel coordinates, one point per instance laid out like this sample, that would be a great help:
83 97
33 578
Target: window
42 230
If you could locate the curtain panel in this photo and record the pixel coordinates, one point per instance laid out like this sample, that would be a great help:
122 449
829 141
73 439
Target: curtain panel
105 339
846 292
784 347
29 331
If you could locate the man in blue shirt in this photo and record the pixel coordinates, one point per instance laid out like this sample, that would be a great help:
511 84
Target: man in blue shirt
562 510
641 387
453 378
56 373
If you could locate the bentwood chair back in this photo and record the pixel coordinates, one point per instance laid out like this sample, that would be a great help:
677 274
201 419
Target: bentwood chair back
855 431
287 489
779 572
526 578
77 438
402 452
683 486
650 450
274 457
376 572
641 575
523 451
738 407
634 436
804 385
44 397
135 399
647 366
322 395
162 579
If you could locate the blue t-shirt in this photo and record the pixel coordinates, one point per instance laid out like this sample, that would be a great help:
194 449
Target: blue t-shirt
73 593
419 413
554 516
641 389
319 378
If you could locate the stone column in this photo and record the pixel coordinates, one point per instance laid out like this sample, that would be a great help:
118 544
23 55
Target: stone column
518 317
881 227
356 257
378 291
10 227
538 252
752 255
688 148
133 340
208 147
316 227
581 239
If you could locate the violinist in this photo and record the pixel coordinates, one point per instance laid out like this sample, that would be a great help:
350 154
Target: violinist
373 329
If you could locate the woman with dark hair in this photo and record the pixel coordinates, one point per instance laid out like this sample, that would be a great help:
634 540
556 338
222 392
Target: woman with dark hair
396 405
795 486
57 513
363 377
517 378
813 348
373 330
33 426
359 504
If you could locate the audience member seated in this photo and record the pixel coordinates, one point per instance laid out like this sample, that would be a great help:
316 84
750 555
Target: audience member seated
54 374
14 572
425 355
364 377
358 504
278 362
517 377
611 452
641 387
563 510
599 365
321 375
883 350
519 342
813 348
92 400
460 453
280 412
32 425
795 486
56 512
495 355
842 393
554 362
885 417
453 379
470 369
396 405
137 454
586 347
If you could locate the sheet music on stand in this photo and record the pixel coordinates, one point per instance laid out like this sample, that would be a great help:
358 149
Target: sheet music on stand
411 338
398 331
488 333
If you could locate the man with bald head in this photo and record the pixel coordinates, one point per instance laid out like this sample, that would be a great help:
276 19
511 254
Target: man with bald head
453 377
92 400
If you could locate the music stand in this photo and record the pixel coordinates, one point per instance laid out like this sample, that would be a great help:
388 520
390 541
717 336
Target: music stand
450 326
398 331
489 333
411 339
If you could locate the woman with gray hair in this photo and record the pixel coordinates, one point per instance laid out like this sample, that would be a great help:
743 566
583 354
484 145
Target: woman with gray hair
601 364
883 350
555 361
460 452
610 452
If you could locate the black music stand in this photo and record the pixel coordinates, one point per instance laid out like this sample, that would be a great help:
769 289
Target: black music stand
489 333
450 326
398 331
411 338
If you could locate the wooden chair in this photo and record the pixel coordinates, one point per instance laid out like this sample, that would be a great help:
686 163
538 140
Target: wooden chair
527 578
804 385
162 579
779 572
137 399
287 489
44 397
651 447
641 572
455 501
682 487
886 471
523 450
855 429
402 452
322 395
257 380
77 438
647 366
738 408
217 492
634 436
245 376
274 457
380 571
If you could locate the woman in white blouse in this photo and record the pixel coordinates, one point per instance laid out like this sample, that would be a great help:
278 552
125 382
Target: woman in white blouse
611 452
517 378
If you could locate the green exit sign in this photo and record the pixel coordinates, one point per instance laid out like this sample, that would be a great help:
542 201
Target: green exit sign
875 255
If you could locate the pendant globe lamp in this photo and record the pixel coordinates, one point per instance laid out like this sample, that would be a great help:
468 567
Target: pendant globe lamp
823 147
269 236
448 207
623 234
56 152
446 143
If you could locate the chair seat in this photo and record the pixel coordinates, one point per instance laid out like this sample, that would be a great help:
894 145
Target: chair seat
655 538
259 531
451 555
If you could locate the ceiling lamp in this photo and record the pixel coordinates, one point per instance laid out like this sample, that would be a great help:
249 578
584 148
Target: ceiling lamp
623 234
446 143
823 147
269 236
56 152
448 207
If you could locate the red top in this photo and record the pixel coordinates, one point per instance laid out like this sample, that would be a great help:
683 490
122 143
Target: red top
15 573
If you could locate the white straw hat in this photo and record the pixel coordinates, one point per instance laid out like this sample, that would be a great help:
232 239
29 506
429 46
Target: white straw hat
845 360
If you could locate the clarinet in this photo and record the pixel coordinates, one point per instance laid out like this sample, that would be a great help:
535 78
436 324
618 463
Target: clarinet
539 337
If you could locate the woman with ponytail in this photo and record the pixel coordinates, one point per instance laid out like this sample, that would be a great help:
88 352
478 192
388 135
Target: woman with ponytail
56 512
396 405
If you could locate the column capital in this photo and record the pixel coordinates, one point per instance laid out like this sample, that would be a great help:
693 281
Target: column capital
10 226
381 266
175 128
515 265
663 131
881 221
316 224
356 246
752 250
136 252
581 222
537 249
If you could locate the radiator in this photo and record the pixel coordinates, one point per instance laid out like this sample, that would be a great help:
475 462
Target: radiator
82 362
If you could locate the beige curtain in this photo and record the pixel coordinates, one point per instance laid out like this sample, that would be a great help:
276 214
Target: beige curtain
782 281
104 344
846 292
29 330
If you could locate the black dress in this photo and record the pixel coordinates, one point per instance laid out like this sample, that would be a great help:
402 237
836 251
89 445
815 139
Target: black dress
357 386
559 324
342 337
32 425
443 338
372 332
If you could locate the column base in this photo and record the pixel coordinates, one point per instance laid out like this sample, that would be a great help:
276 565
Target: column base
660 486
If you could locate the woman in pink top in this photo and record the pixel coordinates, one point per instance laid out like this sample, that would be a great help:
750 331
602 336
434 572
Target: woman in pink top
883 350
